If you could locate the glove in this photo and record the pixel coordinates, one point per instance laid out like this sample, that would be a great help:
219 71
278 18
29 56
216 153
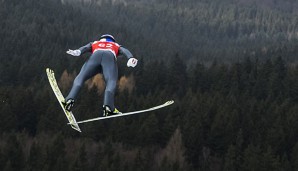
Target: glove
132 62
74 52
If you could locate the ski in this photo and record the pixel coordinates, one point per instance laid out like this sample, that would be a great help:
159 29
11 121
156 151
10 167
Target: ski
168 103
69 115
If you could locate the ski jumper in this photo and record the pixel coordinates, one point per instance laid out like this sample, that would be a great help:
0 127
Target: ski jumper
103 60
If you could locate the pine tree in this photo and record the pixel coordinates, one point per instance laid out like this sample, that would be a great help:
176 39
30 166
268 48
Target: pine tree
8 166
270 161
36 157
149 131
292 84
55 153
139 163
261 88
294 157
197 79
9 118
13 153
277 78
2 159
81 160
251 158
177 77
230 159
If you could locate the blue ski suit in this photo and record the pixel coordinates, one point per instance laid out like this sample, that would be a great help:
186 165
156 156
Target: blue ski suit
103 60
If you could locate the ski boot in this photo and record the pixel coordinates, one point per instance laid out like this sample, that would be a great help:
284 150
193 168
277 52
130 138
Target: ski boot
108 112
68 105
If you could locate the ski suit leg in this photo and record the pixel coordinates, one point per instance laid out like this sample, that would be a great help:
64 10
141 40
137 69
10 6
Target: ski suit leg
91 67
110 73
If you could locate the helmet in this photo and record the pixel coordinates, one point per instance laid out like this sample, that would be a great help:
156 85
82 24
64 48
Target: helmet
108 37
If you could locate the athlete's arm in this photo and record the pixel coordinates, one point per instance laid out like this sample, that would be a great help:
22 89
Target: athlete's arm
81 50
86 48
132 62
125 52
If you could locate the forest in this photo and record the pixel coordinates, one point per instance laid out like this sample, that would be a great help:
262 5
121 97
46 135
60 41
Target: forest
229 65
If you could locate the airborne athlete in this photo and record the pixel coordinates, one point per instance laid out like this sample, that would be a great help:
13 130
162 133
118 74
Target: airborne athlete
103 60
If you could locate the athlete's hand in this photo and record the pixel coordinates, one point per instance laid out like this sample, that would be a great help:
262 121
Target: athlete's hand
74 52
132 62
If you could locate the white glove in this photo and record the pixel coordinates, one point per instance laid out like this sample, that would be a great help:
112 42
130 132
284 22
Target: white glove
132 62
74 52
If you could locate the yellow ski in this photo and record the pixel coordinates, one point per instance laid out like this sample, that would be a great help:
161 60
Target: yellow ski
69 115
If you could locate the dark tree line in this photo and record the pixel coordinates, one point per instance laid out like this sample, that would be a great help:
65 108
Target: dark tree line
240 116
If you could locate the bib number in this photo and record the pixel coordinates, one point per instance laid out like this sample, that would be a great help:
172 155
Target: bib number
105 45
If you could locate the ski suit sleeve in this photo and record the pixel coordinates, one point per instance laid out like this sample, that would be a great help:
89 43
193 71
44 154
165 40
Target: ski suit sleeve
125 52
86 48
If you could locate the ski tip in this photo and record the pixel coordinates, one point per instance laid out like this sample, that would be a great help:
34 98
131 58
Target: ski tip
48 70
169 102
